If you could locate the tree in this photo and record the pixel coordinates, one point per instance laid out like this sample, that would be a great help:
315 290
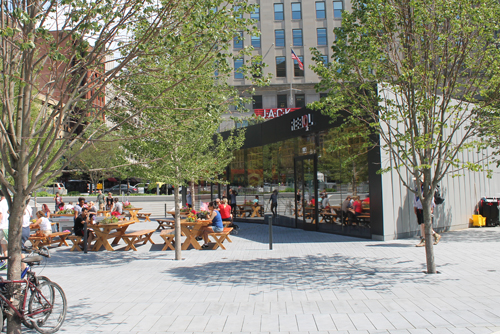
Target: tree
57 75
192 111
417 74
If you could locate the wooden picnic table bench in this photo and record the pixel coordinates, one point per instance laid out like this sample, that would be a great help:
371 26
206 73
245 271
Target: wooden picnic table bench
219 237
168 236
145 216
53 238
132 238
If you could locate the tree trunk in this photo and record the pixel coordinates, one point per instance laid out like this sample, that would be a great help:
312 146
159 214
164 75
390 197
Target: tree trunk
178 243
429 243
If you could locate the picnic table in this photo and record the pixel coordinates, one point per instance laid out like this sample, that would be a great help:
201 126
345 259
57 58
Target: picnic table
164 223
103 233
251 210
327 216
133 213
105 213
173 214
309 213
56 215
192 230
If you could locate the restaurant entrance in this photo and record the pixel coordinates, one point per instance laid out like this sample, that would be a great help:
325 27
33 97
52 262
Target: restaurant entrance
306 191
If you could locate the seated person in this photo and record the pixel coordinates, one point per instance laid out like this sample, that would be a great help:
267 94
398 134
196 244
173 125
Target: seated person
46 210
256 200
43 223
216 226
117 208
325 202
313 202
356 209
79 225
225 212
345 206
69 206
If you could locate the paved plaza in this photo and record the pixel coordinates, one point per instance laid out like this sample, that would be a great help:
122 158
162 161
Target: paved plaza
309 283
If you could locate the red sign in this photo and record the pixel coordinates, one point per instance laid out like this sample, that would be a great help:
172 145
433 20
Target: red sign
273 113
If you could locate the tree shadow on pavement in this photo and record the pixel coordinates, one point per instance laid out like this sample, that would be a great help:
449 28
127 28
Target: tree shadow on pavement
317 272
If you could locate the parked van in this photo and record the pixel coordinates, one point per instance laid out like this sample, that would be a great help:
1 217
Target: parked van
55 188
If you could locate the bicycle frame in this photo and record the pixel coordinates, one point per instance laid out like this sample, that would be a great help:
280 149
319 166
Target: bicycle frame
21 311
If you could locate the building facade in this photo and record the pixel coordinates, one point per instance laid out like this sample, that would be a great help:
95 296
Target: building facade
286 25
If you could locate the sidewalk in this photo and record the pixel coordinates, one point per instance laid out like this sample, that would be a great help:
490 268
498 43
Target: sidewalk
311 282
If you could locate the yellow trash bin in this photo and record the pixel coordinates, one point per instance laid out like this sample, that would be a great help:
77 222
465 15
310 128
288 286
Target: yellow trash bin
478 221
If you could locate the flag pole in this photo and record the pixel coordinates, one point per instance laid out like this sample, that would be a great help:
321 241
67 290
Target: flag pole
291 79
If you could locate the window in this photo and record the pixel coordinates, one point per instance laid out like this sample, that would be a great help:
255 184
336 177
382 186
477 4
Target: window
300 100
255 14
238 63
338 6
320 10
325 60
238 40
279 38
281 67
322 95
236 9
278 12
296 69
257 69
321 36
296 11
257 101
282 101
297 37
256 42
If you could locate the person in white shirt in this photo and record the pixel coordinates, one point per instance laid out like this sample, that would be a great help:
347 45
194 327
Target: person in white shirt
419 212
4 223
43 223
26 224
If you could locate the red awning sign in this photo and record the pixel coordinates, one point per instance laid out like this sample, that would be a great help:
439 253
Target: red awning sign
274 112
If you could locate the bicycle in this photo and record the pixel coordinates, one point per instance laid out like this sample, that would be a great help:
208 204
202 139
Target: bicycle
43 303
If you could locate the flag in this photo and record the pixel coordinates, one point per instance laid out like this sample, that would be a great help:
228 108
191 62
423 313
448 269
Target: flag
294 56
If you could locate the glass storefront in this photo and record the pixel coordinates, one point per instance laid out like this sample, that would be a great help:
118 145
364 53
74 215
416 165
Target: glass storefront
302 170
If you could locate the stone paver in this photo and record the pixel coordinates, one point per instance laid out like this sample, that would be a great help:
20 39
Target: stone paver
309 283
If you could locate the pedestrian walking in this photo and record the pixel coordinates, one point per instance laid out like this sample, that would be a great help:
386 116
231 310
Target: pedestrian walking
274 202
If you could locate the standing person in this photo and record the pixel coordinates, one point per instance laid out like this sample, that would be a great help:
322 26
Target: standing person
232 197
189 199
346 205
109 202
26 224
4 227
419 212
58 200
100 200
216 226
298 196
274 202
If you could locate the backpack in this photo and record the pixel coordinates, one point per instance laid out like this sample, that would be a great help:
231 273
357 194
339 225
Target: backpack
438 199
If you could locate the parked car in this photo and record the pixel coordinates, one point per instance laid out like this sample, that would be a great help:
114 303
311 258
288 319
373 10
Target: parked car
54 188
121 188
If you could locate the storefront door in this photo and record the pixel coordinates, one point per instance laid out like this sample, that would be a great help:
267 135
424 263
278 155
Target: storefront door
306 192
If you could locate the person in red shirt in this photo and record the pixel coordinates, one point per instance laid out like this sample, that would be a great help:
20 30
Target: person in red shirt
356 209
225 211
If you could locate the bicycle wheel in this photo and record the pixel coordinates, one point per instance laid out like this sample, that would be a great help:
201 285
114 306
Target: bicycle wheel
50 302
41 280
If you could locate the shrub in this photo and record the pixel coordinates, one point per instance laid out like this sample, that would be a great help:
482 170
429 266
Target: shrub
74 193
43 194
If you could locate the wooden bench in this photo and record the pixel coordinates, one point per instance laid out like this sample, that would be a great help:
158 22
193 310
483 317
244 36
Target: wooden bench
164 223
53 238
145 216
219 237
168 236
76 240
132 238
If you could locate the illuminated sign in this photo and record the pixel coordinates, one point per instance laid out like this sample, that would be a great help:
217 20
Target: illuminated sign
273 113
302 122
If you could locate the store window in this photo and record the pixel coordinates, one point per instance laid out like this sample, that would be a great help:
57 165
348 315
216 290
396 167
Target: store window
281 67
297 37
296 11
296 69
321 33
320 10
282 101
279 38
325 60
279 12
300 100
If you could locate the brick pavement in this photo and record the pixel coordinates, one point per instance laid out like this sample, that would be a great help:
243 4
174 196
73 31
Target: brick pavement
310 283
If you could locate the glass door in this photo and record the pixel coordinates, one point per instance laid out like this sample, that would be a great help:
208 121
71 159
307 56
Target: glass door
306 192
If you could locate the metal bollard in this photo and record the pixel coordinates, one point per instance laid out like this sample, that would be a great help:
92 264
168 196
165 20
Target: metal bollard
269 220
85 237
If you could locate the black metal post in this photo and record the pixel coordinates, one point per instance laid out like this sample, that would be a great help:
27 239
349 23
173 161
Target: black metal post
85 237
269 219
